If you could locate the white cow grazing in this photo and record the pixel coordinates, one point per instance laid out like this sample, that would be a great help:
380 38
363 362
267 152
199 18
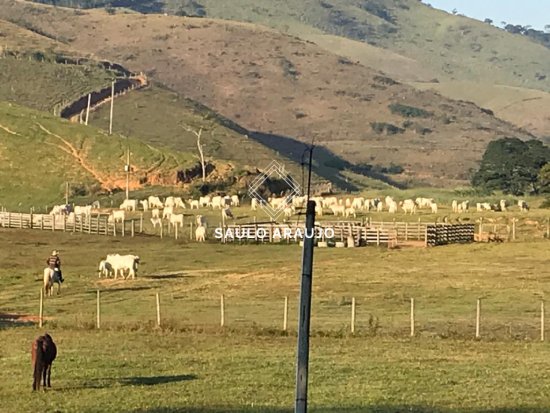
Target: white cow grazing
330 201
178 203
123 263
523 207
235 200
144 204
348 203
105 268
156 221
484 206
388 199
217 202
479 208
193 203
155 213
169 202
201 221
129 205
380 206
503 205
288 211
200 234
463 206
338 209
176 219
409 206
83 210
254 204
350 211
392 207
433 207
166 212
96 205
358 203
424 202
155 202
298 201
454 205
226 213
58 210
277 203
205 201
118 216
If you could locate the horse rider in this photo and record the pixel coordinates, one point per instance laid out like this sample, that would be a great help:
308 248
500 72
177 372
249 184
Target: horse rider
55 264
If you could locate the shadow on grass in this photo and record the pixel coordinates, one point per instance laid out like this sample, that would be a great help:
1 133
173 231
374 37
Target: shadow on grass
109 382
335 409
164 276
15 320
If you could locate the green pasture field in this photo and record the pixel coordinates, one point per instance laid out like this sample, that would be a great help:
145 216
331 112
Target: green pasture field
191 364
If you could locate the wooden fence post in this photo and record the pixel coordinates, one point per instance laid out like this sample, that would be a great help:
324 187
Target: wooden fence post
41 309
31 220
175 231
190 230
514 229
412 317
542 321
478 317
222 311
98 315
141 223
53 222
133 228
161 228
352 315
158 310
285 314
123 229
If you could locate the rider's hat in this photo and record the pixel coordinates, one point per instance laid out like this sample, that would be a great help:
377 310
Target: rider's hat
55 252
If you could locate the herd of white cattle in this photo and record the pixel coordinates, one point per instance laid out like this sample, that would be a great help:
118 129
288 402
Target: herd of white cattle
167 210
115 264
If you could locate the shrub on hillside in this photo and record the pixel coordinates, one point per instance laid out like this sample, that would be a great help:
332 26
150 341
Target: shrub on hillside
388 128
409 111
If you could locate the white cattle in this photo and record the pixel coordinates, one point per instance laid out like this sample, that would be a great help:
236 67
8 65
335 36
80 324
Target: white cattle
144 204
200 234
358 203
123 263
176 219
483 206
348 203
380 205
156 221
58 210
277 203
463 206
523 207
205 201
155 202
217 202
254 204
433 207
388 199
409 206
105 268
454 205
392 207
350 211
118 216
330 201
129 205
178 203
235 200
338 209
155 213
503 205
166 212
96 205
298 201
424 202
169 202
83 210
193 203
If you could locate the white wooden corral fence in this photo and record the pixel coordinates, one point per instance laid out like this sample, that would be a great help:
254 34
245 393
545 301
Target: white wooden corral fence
91 224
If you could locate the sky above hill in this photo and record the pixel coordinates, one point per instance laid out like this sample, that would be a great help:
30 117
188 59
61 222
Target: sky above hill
535 13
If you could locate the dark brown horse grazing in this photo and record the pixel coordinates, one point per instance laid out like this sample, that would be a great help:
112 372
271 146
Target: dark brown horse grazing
43 355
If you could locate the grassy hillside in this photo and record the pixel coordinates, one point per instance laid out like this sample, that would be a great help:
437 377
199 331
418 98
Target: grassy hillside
39 153
287 89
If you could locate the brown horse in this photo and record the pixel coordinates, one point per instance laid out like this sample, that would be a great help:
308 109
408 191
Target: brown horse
43 355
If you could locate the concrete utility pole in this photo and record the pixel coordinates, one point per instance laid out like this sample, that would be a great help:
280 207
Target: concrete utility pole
302 365
127 169
88 107
66 193
112 104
